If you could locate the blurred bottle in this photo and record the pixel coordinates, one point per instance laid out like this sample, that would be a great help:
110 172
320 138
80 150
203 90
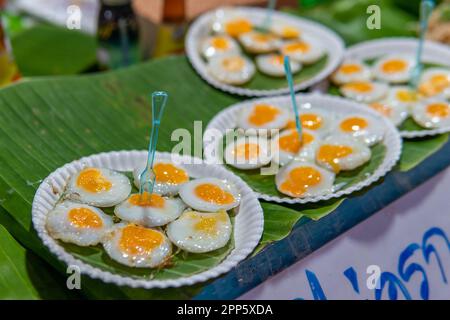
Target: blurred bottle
8 68
117 35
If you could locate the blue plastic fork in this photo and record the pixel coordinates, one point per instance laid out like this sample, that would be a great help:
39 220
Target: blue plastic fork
426 7
287 69
147 176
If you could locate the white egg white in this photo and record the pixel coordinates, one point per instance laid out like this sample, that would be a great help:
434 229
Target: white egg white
306 50
424 115
118 190
247 114
200 232
285 31
189 195
312 186
351 71
218 45
396 113
142 258
273 65
256 42
364 91
435 82
402 96
62 224
393 68
235 152
149 214
231 69
314 119
306 151
231 21
364 128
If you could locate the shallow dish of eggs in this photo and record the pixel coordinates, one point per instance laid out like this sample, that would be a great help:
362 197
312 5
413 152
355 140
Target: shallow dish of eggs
231 51
344 147
377 73
199 222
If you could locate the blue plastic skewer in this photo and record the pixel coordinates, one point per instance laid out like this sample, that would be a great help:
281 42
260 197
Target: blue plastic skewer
426 7
270 8
287 68
147 176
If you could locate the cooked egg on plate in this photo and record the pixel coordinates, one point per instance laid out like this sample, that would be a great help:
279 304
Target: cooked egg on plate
210 195
200 232
263 116
231 69
364 91
285 30
231 22
402 96
434 82
432 113
304 179
248 152
393 68
313 119
273 65
214 46
306 50
396 113
78 223
351 71
98 187
258 42
287 146
168 177
361 127
149 210
137 246
342 153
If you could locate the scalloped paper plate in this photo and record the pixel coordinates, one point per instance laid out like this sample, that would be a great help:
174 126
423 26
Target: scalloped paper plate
202 26
433 52
227 119
248 225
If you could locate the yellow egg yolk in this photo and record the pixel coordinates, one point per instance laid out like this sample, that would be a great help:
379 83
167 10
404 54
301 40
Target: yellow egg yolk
300 179
85 218
208 225
169 174
262 37
360 87
147 200
350 68
381 108
291 142
237 27
298 46
263 114
220 43
290 32
406 96
438 110
214 194
92 180
436 84
309 121
246 151
394 65
331 154
354 124
233 64
137 240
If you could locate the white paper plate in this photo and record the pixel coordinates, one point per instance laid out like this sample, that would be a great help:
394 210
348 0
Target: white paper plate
334 47
433 52
227 119
248 225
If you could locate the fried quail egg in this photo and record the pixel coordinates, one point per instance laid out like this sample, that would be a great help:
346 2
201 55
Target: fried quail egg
285 31
263 116
361 127
351 71
432 113
341 153
248 153
305 50
99 187
393 68
257 42
200 232
149 210
364 91
273 65
402 96
314 120
219 45
304 179
396 113
231 69
137 246
168 177
287 146
78 223
210 195
435 81
231 22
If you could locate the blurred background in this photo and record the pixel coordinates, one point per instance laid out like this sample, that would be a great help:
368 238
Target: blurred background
67 37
